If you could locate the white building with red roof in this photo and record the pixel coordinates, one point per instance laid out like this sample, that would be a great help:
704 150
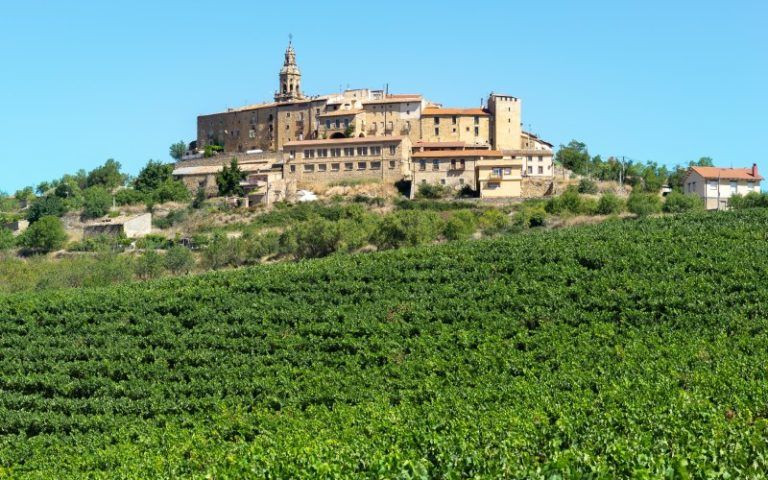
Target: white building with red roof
716 185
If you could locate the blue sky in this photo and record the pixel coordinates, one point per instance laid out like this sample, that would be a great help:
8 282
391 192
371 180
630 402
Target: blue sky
668 81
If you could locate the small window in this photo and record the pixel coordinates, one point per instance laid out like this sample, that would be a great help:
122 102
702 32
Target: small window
392 164
442 181
437 131
530 168
361 165
327 124
335 152
734 187
321 167
435 164
362 151
461 180
750 186
437 120
713 185
334 167
375 165
422 165
375 150
293 168
507 171
541 169
308 167
392 149
477 131
348 166
541 159
349 152
309 153
477 120
453 120
337 123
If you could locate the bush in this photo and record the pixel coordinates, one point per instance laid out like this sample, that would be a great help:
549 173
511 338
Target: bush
100 243
568 202
610 204
432 190
199 200
171 191
46 206
129 196
493 221
407 228
319 237
179 260
677 202
173 217
587 186
262 245
96 202
460 226
153 241
7 240
530 216
149 265
642 204
750 200
217 253
45 235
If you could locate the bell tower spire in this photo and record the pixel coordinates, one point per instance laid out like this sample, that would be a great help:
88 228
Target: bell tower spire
290 76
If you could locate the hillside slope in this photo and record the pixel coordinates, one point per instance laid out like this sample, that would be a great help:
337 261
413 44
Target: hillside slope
626 349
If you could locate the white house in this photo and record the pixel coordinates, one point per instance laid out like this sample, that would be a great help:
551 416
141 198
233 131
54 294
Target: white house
536 155
716 185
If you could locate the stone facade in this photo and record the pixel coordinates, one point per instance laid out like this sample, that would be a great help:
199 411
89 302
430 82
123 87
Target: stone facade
468 125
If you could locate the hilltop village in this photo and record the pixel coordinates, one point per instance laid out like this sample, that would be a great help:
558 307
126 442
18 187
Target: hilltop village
300 141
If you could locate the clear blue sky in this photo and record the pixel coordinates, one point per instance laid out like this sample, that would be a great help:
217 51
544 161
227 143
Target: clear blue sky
668 81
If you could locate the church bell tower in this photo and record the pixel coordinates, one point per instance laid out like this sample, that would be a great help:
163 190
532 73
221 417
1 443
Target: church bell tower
290 77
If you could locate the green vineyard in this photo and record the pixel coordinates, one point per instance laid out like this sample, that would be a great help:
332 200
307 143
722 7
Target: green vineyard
630 349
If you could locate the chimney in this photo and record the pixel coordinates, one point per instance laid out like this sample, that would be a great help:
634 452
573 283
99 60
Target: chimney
754 170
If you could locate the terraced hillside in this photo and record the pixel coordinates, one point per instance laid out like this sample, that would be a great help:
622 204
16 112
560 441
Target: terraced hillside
626 349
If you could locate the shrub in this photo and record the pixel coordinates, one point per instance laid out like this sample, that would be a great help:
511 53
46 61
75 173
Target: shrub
216 253
149 265
530 216
460 226
173 217
319 237
642 204
610 204
407 227
568 202
96 202
199 200
262 245
129 196
493 221
587 186
45 235
100 243
153 241
46 206
750 200
7 240
179 260
677 202
432 190
171 191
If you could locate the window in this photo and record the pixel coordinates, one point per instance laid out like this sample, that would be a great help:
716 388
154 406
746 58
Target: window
390 126
435 164
392 149
496 172
321 167
453 120
734 187
437 120
346 123
541 169
375 150
375 165
251 133
477 131
322 152
362 151
337 123
348 166
293 168
453 164
442 181
712 185
334 167
492 186
461 163
461 180
750 186
477 120
349 151
308 167
507 171
541 159
530 159
422 165
530 169
309 153
335 152
327 124
288 114
453 130
392 164
287 126
437 131
361 165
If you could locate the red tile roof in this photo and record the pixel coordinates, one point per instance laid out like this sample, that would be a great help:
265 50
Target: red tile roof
713 173
431 111
458 154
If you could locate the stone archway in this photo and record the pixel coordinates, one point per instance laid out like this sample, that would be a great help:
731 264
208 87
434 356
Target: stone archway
338 135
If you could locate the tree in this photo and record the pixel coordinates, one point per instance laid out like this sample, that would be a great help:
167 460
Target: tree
44 235
587 186
179 260
6 239
642 204
46 206
229 179
609 204
702 162
177 150
573 156
96 202
107 175
149 265
199 199
152 176
677 202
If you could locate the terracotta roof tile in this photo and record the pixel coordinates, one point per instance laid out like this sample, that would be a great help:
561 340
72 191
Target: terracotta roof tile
713 173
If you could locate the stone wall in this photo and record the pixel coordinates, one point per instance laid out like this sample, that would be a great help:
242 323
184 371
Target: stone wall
536 187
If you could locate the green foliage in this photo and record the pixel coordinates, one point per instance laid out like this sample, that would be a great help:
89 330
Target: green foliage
676 202
130 196
435 205
153 241
177 150
171 191
179 260
173 217
407 228
46 206
493 221
530 216
642 204
154 174
609 204
199 201
623 350
44 235
587 186
460 226
149 265
433 190
211 150
319 237
8 204
228 180
568 202
107 176
26 194
96 202
573 156
750 200
100 243
7 240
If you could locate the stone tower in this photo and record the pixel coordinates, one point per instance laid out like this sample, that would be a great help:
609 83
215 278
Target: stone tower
506 130
290 78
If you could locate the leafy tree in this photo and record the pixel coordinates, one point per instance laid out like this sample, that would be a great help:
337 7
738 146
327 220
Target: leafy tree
642 204
149 265
750 200
43 187
677 202
460 226
130 196
107 175
407 228
96 202
531 216
177 150
229 179
609 204
45 235
702 162
573 156
153 175
26 194
587 186
199 200
179 259
46 206
6 239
